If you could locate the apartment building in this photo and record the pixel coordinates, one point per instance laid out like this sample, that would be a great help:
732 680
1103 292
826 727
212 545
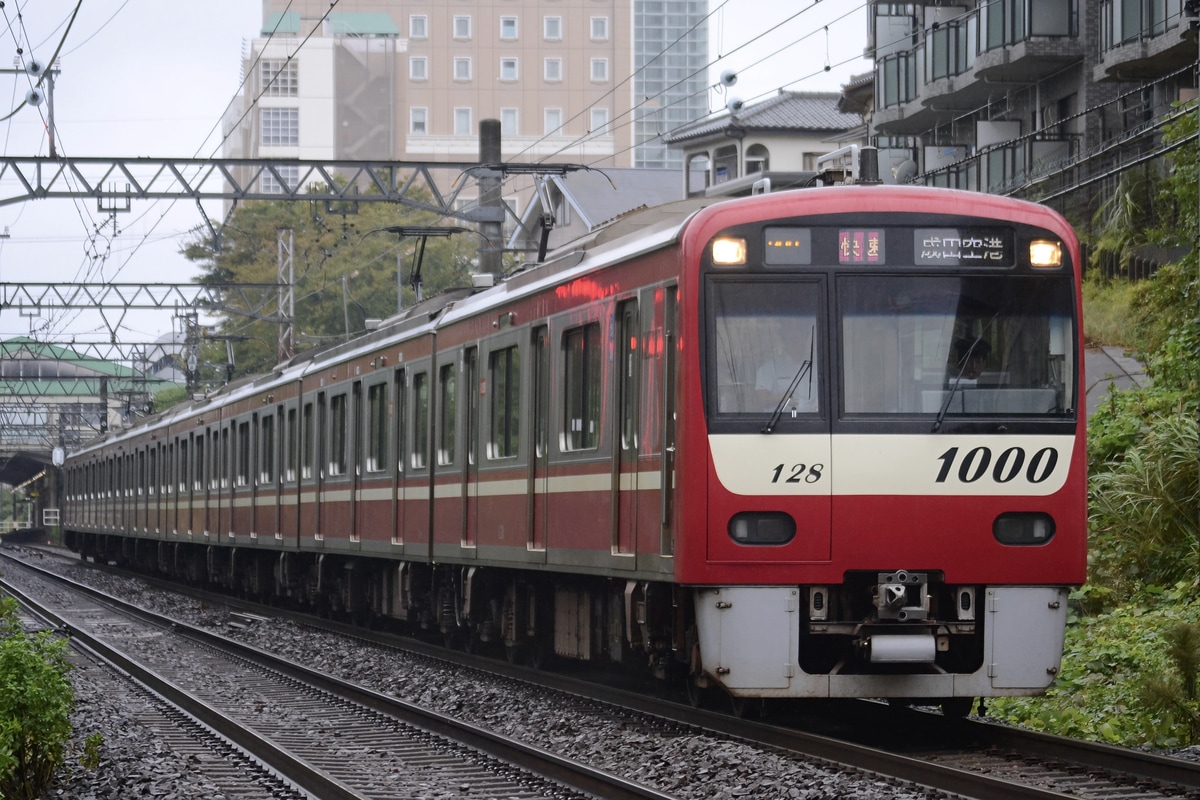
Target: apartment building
1048 99
591 82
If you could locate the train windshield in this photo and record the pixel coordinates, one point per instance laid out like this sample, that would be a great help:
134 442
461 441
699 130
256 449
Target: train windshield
766 340
956 345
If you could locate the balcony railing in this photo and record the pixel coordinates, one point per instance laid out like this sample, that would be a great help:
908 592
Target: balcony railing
1126 21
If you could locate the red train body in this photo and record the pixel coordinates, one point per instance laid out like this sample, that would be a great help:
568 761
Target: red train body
601 456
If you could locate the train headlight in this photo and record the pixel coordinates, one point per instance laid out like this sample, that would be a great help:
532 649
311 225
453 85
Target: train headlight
729 251
1045 254
762 527
1023 528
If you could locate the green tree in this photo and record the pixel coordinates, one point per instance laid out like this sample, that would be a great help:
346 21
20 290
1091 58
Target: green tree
344 272
36 698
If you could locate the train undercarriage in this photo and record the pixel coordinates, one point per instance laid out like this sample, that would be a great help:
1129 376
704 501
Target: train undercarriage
903 635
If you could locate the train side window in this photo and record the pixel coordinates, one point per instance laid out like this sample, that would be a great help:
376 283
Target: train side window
152 481
266 457
581 388
401 414
448 413
309 441
198 469
377 420
184 465
242 471
291 453
337 434
141 472
504 378
420 419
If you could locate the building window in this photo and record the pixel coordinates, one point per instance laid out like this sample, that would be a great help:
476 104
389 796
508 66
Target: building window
508 69
508 27
508 121
599 120
280 179
462 122
554 71
418 26
462 69
418 68
462 27
553 121
279 78
418 121
600 29
280 127
552 29
600 69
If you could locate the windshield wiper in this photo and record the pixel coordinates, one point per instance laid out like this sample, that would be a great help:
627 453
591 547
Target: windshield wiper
962 367
805 369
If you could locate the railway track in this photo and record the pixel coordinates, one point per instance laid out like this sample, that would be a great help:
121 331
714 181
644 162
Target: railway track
325 738
964 758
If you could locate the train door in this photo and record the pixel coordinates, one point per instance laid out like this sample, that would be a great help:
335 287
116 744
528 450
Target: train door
318 435
539 461
415 491
470 433
354 464
399 419
625 446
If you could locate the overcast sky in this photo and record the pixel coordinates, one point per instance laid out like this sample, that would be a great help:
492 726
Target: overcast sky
153 78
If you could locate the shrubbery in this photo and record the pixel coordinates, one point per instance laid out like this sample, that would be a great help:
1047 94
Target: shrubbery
36 698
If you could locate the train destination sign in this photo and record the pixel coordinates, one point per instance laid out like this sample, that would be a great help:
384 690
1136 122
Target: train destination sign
963 247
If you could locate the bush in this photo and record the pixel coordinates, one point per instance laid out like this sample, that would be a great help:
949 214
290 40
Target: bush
36 698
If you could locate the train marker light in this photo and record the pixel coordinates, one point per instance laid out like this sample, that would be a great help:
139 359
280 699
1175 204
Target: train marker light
1023 528
728 251
1045 254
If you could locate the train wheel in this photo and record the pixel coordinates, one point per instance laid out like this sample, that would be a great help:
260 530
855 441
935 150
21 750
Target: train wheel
698 696
746 707
957 707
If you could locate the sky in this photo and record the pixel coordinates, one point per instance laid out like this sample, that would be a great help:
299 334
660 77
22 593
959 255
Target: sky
154 77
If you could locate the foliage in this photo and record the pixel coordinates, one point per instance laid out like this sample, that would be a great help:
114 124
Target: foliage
1143 510
1101 691
1106 311
343 267
36 698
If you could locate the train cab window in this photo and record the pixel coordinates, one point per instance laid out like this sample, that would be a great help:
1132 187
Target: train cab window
956 346
338 423
447 413
581 388
377 419
420 439
504 411
763 347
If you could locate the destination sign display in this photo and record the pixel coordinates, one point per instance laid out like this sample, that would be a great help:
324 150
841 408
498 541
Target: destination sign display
963 247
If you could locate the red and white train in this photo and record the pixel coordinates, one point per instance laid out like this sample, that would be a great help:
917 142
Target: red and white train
819 443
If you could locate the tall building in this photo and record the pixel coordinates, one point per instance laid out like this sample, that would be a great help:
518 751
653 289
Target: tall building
1050 99
594 82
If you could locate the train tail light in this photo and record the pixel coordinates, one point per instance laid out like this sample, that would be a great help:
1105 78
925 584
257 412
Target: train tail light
1023 528
762 527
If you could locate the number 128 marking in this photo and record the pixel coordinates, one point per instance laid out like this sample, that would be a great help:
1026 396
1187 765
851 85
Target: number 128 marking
798 473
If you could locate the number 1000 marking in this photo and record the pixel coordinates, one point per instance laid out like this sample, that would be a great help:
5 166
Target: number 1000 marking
975 463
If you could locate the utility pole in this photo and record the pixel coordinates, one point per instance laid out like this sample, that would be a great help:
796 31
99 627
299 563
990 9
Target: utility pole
491 202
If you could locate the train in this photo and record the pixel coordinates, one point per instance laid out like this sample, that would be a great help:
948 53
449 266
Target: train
817 443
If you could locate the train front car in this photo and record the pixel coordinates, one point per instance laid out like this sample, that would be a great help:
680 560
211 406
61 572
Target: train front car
882 459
